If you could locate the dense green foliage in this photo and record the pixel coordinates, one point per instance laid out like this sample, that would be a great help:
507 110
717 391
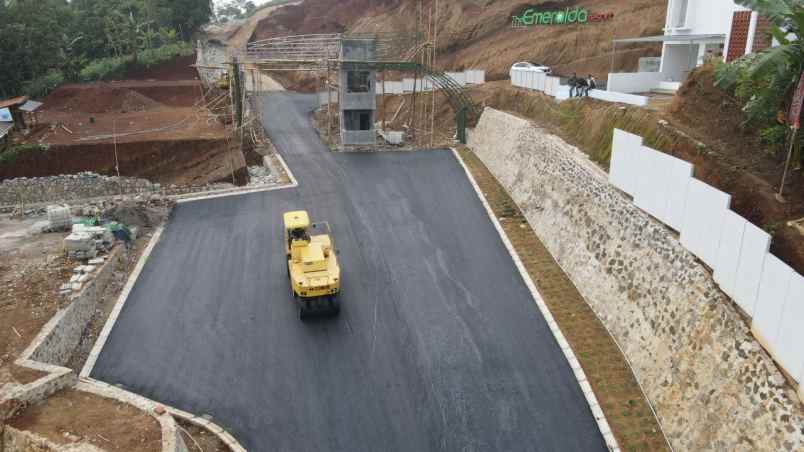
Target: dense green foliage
44 42
11 154
110 67
234 10
765 82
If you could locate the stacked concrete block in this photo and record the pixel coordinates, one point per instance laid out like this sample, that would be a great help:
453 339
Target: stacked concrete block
59 217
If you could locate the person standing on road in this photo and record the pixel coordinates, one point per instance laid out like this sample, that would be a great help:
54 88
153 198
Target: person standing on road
591 84
573 84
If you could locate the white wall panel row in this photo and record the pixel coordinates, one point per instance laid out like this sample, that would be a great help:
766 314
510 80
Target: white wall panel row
763 286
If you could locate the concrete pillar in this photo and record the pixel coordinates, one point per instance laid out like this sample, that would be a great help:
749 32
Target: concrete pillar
752 31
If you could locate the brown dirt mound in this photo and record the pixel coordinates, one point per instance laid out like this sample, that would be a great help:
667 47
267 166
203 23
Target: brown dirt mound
133 214
103 98
175 96
177 69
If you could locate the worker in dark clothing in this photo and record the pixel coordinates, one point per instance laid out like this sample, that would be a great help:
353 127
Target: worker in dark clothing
573 84
580 87
591 84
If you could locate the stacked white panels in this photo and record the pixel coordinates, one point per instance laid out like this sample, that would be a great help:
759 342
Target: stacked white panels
459 77
532 79
407 85
549 87
704 214
475 77
625 152
613 96
393 88
426 84
555 85
541 78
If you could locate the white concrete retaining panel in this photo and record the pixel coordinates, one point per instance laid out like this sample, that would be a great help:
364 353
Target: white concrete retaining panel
622 98
764 287
634 82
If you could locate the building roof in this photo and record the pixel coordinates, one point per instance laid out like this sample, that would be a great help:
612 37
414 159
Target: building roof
670 39
5 127
31 106
14 101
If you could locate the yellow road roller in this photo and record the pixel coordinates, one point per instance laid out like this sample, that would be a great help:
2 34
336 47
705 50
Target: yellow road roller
313 268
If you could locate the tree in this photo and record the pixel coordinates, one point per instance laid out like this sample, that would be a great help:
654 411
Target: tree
30 33
235 10
186 16
765 81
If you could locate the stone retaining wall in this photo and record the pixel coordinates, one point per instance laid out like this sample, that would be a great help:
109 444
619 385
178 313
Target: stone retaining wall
712 384
60 336
14 440
32 190
58 378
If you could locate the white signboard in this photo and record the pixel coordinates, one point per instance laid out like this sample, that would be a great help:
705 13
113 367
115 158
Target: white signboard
5 115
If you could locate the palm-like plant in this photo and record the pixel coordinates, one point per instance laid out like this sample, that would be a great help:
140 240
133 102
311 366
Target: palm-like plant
764 81
780 66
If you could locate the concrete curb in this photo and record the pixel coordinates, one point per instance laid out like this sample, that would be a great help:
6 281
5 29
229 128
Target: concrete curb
169 426
58 335
222 434
171 436
121 300
591 399
104 389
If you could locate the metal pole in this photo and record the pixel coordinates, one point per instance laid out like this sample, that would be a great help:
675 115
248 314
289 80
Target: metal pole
433 65
613 54
114 137
382 77
787 163
329 105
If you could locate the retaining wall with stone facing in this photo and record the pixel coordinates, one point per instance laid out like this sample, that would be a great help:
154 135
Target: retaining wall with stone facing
69 188
712 385
60 336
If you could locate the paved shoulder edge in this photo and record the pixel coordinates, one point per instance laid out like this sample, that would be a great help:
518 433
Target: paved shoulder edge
591 399
118 307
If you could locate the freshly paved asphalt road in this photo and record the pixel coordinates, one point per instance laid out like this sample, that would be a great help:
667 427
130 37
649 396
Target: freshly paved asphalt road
439 346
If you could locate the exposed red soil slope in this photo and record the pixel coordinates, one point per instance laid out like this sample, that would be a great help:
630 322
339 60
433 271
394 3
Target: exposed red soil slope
161 130
478 33
752 175
178 69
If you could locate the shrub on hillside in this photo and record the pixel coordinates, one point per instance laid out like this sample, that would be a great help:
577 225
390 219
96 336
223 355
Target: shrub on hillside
104 68
152 57
107 68
41 86
11 154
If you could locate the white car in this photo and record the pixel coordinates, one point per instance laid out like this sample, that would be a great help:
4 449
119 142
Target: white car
529 66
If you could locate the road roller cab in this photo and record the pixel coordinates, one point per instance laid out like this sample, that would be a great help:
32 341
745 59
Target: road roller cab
312 265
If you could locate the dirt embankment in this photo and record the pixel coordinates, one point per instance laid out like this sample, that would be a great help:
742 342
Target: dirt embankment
178 162
478 34
167 131
703 130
